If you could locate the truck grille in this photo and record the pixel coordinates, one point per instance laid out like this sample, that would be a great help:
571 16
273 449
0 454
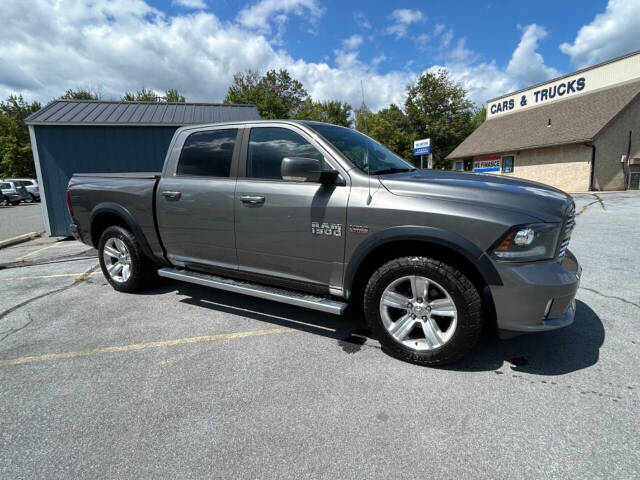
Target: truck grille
566 233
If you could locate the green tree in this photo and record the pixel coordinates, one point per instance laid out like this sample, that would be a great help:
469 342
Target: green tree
276 94
479 117
82 94
438 108
16 158
331 111
172 95
143 95
389 126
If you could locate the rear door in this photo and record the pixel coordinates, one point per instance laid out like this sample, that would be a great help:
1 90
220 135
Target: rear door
195 200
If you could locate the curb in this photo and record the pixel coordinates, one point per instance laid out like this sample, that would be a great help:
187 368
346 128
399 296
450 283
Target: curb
19 239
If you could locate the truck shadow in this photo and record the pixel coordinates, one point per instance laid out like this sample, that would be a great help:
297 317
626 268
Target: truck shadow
553 353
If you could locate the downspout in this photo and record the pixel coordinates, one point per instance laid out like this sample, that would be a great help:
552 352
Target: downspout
593 168
625 168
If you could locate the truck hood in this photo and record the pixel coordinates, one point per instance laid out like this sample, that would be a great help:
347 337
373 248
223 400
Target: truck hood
535 199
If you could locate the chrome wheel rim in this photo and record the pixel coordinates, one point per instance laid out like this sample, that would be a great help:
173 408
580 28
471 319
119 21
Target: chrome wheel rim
418 313
117 260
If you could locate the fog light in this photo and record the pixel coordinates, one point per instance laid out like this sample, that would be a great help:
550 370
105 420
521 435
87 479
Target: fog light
524 237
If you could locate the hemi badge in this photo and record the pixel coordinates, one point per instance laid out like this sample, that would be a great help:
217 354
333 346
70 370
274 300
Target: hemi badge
358 229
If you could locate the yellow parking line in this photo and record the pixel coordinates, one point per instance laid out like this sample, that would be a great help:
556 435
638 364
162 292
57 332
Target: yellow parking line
57 275
40 250
141 346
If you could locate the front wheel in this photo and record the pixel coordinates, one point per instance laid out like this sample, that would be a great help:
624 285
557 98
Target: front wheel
423 310
15 203
123 264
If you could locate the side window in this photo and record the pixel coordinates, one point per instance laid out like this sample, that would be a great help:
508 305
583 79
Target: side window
507 164
207 154
269 145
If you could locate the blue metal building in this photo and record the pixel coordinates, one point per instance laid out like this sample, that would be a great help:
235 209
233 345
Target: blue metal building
86 136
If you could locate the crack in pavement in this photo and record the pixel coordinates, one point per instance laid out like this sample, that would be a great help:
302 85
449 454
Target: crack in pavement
637 305
31 263
597 200
81 278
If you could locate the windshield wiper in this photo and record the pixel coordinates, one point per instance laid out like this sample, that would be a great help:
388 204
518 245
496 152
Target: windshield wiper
392 170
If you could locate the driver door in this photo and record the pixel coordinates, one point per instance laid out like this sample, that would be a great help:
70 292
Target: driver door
290 230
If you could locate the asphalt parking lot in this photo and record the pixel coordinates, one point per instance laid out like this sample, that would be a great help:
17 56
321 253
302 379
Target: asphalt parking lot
19 219
187 382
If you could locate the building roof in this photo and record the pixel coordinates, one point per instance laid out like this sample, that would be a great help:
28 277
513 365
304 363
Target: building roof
575 120
95 112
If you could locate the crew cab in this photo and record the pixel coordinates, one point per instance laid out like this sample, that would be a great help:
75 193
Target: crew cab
320 216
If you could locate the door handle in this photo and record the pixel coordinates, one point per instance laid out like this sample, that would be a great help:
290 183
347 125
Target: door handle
172 195
252 199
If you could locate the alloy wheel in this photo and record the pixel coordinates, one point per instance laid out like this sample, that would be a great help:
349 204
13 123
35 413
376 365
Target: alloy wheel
418 312
117 260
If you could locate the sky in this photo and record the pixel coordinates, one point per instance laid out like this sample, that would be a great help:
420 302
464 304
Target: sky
337 49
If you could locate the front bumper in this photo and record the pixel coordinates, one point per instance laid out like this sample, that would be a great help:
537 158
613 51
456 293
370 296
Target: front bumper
538 296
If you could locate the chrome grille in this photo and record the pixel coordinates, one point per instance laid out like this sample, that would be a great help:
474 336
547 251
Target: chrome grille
569 224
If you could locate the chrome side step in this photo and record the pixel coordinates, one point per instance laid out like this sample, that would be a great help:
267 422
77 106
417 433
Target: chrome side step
256 290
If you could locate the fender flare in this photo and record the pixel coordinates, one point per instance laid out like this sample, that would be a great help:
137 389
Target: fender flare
110 207
451 240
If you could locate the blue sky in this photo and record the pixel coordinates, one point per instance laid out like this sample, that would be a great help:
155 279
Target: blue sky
490 47
490 27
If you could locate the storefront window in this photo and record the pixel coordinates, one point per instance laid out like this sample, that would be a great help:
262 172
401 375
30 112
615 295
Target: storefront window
459 166
507 164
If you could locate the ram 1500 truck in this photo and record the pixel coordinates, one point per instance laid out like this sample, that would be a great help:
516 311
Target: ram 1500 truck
319 216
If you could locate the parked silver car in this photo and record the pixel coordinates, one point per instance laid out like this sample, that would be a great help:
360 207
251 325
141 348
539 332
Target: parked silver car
13 192
31 184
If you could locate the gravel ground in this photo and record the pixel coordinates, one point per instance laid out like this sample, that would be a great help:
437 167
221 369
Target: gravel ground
186 382
23 218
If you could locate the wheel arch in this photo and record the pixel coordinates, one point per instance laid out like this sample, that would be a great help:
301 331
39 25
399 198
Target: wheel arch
424 241
111 214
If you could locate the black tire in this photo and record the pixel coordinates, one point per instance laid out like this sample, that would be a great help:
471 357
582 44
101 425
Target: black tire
32 198
142 270
463 293
16 203
3 201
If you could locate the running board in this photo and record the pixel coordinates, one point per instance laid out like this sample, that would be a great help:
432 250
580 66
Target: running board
291 297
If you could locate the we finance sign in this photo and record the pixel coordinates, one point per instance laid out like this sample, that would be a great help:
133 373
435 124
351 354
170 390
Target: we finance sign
606 74
487 164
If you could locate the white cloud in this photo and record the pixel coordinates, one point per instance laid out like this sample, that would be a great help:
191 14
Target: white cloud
526 63
353 42
485 80
362 21
610 34
402 18
194 4
120 45
259 15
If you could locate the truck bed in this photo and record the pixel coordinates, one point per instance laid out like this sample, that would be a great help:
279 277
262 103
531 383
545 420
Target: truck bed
129 195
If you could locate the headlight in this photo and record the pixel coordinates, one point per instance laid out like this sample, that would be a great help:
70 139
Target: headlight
528 243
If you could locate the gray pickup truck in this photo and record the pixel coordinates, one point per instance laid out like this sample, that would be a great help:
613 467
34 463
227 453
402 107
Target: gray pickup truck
320 216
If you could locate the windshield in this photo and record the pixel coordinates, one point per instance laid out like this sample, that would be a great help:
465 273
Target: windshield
364 152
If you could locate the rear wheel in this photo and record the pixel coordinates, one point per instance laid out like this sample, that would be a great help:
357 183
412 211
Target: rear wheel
3 201
123 264
423 310
16 202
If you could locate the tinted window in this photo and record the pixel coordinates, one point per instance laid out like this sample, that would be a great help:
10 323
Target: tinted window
5 185
207 154
507 164
364 152
269 145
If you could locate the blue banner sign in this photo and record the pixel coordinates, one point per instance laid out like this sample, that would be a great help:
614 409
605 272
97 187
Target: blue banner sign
422 147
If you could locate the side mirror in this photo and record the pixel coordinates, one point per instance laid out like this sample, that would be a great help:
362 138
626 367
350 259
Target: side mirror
300 169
